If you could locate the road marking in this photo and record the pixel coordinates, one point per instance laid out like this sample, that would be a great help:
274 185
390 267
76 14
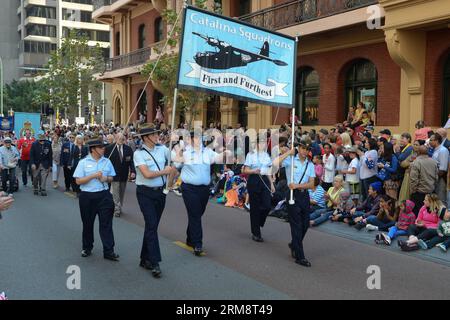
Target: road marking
186 247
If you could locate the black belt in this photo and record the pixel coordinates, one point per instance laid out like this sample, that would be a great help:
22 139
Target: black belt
152 188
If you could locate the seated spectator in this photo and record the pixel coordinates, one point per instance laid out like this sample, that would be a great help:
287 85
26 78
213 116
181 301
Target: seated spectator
346 205
333 197
426 224
442 239
386 217
406 218
368 207
317 196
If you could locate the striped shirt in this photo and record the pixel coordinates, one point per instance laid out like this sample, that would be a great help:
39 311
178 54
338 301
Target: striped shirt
318 196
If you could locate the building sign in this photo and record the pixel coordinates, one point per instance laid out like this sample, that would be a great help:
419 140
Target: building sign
227 57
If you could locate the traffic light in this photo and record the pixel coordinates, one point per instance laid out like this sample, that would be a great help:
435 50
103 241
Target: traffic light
96 110
86 111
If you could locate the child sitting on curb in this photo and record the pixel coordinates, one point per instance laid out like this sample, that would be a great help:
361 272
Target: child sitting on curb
405 219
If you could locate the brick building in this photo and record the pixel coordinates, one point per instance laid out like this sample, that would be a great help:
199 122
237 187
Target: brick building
400 68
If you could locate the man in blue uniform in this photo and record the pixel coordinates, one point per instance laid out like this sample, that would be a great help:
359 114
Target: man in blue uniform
151 171
196 178
299 212
93 174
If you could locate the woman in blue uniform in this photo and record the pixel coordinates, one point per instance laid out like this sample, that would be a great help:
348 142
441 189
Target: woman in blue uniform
196 180
151 174
93 174
258 165
299 212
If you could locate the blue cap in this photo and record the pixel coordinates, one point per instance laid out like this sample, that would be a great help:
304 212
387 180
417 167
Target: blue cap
377 186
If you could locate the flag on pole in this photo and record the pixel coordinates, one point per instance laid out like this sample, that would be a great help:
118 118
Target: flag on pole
228 57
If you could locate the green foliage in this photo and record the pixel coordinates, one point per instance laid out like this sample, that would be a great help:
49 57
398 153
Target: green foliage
73 61
23 96
166 71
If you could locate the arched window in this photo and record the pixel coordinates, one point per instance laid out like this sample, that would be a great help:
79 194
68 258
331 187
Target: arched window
141 36
159 30
142 106
361 86
307 103
446 90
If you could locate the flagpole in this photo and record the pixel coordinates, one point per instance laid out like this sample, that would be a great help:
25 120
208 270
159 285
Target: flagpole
291 199
172 129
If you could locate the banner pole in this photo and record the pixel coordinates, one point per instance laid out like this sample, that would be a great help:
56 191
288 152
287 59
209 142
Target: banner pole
172 129
291 199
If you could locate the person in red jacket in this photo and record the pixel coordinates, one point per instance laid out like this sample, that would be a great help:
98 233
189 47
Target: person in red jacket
24 146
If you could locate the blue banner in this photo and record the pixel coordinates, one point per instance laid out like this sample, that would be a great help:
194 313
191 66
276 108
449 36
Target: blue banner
24 121
227 57
7 123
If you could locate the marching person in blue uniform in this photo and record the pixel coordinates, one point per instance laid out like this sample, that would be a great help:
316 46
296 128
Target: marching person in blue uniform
196 180
93 174
299 212
151 174
258 165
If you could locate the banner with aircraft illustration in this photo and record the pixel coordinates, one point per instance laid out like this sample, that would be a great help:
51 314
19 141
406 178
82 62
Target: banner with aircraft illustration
227 57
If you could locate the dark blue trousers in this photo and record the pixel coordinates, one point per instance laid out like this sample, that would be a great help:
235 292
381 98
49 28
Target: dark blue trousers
91 204
195 199
260 202
152 203
299 214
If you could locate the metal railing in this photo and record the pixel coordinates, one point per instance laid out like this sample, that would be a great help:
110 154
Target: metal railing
132 59
301 11
100 3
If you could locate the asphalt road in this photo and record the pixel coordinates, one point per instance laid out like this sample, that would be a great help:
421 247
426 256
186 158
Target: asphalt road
40 237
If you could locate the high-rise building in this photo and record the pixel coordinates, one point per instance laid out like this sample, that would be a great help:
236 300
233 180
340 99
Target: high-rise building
9 39
44 23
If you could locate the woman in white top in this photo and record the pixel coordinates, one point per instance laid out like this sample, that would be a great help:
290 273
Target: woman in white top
258 165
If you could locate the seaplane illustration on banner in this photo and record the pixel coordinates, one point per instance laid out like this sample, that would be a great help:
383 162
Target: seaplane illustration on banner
228 57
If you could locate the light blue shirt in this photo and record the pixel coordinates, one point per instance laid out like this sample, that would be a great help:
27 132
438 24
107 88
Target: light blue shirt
259 160
197 166
88 166
440 154
299 168
141 157
9 156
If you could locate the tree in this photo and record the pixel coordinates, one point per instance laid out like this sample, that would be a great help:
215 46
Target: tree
73 62
166 71
23 96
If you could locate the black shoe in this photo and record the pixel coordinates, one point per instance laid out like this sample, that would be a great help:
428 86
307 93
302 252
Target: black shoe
198 252
303 262
43 193
112 256
257 239
86 253
156 271
145 264
67 190
401 243
36 192
351 223
360 226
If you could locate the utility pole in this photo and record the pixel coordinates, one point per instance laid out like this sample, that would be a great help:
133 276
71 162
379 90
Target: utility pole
103 102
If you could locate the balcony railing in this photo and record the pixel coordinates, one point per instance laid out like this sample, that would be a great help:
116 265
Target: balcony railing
100 3
301 11
132 59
